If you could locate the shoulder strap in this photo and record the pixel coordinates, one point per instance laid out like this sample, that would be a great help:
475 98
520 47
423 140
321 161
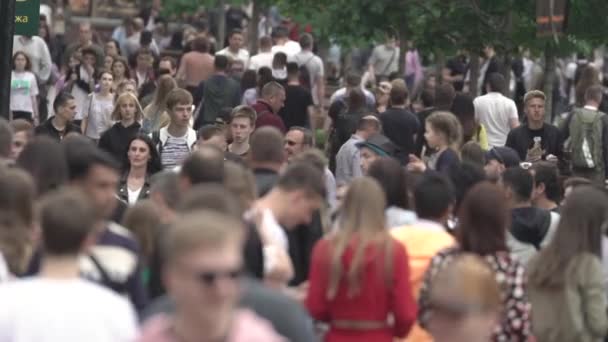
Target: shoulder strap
105 278
390 61
156 140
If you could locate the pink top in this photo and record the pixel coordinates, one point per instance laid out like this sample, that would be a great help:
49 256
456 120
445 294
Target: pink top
195 67
247 327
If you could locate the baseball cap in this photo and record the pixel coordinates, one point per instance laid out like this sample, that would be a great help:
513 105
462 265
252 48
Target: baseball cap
504 155
380 144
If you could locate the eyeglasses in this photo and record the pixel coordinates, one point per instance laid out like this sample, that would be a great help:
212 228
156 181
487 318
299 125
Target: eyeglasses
291 143
211 278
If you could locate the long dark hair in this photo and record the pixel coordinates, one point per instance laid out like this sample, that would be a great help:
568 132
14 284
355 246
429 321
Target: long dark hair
154 164
392 178
583 218
464 109
482 220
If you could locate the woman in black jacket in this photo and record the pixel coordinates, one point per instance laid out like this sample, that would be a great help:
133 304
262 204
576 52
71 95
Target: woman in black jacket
142 161
128 114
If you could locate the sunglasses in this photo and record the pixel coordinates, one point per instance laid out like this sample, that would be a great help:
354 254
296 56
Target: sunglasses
211 278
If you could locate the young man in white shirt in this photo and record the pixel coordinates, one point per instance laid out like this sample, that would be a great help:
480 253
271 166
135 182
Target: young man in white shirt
264 57
175 141
234 49
59 305
314 65
282 43
496 112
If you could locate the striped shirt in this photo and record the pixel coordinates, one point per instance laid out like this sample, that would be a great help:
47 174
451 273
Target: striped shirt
174 151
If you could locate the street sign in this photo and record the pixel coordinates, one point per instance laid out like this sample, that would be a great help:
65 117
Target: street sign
27 17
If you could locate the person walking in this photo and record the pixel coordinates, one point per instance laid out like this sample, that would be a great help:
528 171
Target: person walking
98 108
481 230
360 275
142 163
496 112
24 89
128 114
68 223
566 286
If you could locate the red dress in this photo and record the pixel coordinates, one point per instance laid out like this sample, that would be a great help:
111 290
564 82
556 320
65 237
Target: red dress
375 301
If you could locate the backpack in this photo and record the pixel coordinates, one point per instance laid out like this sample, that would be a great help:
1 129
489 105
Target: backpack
586 139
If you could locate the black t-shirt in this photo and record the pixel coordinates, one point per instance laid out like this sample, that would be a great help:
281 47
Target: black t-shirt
458 67
401 127
530 143
295 111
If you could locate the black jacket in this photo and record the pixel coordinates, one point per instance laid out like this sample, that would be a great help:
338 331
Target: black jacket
116 140
47 128
530 225
123 189
521 139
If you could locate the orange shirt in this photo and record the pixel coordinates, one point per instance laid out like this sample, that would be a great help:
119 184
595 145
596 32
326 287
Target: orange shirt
422 240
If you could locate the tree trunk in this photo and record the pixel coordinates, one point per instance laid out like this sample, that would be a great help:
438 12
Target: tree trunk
505 70
253 28
474 75
549 80
439 64
402 49
221 24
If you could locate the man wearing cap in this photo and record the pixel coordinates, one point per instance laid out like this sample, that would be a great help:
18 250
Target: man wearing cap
348 159
498 159
375 147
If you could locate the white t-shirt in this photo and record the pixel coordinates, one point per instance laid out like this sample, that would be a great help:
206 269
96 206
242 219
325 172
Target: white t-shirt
290 48
242 55
262 59
98 112
39 310
495 112
81 96
23 88
133 195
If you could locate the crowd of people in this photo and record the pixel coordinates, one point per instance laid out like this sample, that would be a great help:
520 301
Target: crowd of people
219 195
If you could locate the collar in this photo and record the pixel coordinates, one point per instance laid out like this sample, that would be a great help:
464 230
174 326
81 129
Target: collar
265 104
356 137
593 108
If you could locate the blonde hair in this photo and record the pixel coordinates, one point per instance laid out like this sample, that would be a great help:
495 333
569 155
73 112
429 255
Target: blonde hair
117 115
166 84
362 218
534 94
448 124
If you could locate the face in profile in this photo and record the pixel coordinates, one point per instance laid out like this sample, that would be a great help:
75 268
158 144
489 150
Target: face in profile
303 206
367 159
20 139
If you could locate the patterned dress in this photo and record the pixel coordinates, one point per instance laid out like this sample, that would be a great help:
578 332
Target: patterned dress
510 274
